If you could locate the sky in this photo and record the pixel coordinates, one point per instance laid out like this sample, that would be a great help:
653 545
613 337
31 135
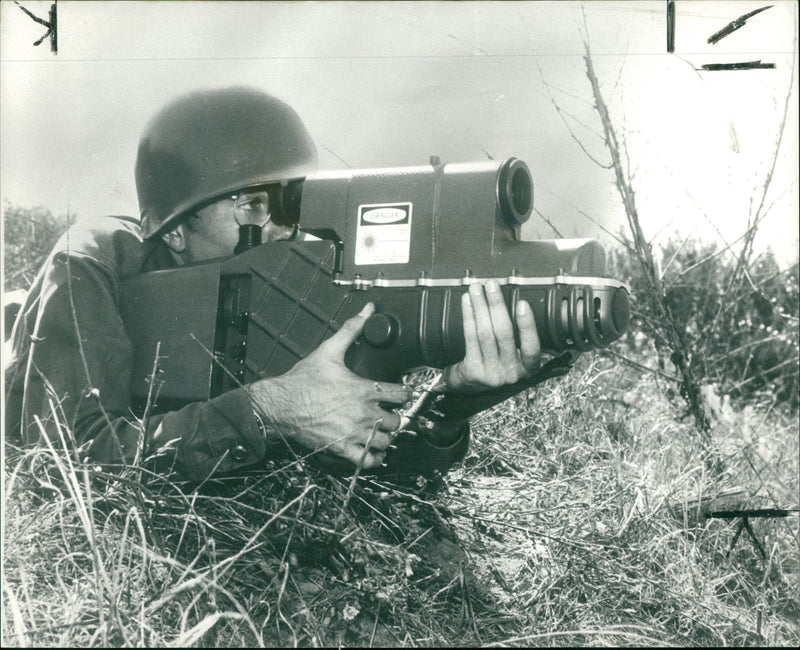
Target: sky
382 84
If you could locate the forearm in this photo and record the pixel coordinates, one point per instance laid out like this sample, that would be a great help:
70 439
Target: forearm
220 435
74 381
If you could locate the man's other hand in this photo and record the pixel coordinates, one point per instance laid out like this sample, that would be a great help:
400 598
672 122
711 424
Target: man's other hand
322 405
492 358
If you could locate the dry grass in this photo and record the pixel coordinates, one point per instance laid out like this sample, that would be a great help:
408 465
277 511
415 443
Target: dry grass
560 529
582 521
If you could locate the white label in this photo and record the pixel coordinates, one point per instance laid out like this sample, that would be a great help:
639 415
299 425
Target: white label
383 235
383 215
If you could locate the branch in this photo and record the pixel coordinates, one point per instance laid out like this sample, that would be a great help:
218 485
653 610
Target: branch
549 223
762 373
680 355
640 366
747 248
620 241
561 113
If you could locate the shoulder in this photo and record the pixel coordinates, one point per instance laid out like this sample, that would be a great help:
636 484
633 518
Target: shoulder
100 238
113 242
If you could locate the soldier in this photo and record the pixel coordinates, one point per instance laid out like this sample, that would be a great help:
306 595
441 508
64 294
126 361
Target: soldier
206 164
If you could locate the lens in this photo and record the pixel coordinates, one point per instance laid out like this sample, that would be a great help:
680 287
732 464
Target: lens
621 310
252 208
285 203
515 191
521 192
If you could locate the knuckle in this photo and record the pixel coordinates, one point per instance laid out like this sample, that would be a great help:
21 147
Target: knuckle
471 371
351 325
336 448
532 361
505 338
496 299
381 441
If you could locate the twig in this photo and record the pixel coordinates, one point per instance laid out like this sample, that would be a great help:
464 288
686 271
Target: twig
762 373
359 467
640 366
680 356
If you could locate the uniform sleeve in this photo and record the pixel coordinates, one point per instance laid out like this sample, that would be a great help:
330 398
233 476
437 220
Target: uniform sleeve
79 373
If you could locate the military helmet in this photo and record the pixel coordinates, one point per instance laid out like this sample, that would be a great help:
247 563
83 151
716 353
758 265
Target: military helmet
210 143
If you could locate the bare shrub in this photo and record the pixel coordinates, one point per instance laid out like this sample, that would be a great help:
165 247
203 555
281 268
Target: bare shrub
29 235
745 344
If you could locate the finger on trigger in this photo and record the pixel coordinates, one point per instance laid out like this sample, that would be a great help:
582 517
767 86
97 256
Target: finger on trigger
380 441
391 393
388 421
355 454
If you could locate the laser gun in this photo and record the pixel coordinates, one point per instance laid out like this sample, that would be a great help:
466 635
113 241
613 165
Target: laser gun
411 240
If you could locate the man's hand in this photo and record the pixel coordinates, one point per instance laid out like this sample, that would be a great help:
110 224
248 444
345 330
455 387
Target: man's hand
492 358
321 404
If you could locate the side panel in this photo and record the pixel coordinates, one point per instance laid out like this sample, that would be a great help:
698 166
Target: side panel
288 307
172 315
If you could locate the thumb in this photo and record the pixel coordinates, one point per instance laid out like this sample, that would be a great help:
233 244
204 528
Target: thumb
337 344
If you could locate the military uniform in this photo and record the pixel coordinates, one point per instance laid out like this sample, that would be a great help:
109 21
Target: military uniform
72 362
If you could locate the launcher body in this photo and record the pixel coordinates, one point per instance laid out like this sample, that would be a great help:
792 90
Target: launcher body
410 240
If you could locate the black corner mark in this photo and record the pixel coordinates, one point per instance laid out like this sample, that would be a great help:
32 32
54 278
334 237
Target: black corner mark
744 65
670 26
736 24
752 512
51 24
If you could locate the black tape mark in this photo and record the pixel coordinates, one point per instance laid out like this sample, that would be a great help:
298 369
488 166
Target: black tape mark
670 26
758 512
744 65
744 525
736 24
51 24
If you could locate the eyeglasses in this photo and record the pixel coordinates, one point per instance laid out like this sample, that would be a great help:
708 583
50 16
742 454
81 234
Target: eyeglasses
251 208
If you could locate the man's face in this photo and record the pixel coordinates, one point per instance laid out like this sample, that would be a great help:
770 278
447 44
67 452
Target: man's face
215 232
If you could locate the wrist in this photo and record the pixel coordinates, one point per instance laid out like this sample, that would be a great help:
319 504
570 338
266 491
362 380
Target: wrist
271 408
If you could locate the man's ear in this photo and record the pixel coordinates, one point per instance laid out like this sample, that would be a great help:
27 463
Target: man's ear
175 239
